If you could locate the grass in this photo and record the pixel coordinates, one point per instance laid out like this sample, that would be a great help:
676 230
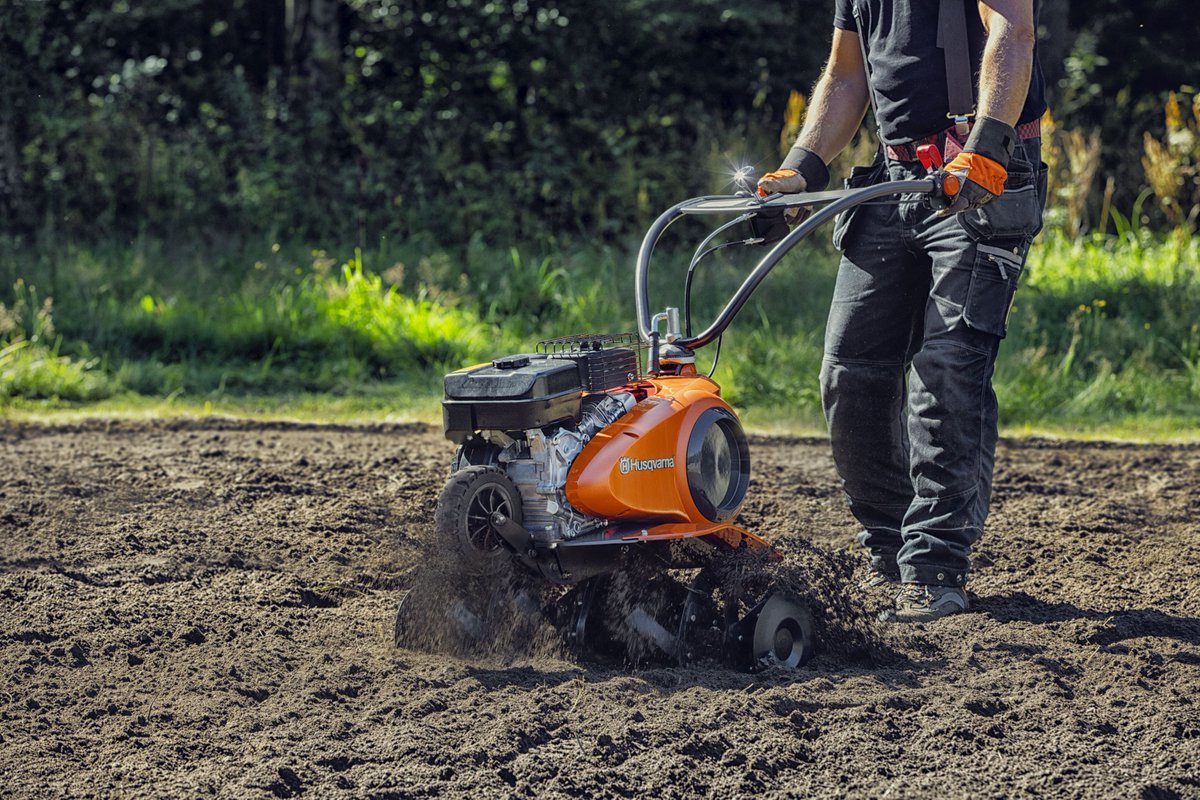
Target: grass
1104 333
1103 338
395 401
31 365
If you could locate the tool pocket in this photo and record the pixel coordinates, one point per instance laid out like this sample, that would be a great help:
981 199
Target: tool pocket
994 277
1015 214
1043 185
860 177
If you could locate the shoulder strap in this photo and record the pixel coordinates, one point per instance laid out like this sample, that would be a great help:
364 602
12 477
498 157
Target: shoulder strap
952 38
862 43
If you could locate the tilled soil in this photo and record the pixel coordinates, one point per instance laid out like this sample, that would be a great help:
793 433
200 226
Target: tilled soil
199 608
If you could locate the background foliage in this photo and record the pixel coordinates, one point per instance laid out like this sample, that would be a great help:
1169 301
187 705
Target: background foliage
452 118
215 198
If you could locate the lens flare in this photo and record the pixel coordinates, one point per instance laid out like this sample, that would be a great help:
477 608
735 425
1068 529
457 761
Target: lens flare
743 178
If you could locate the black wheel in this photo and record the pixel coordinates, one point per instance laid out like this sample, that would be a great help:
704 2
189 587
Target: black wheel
782 634
465 511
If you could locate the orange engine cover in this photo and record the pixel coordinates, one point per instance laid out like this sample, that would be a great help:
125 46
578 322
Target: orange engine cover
636 468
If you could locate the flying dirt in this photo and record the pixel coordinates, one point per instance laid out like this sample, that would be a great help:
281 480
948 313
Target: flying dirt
209 607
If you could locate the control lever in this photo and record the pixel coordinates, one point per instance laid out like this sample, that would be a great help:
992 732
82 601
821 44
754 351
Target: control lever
947 183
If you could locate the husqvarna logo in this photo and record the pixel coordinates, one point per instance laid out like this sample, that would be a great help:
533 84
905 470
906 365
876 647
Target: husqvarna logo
628 465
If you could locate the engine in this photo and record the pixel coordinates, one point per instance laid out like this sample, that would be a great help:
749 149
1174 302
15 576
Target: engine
531 415
539 463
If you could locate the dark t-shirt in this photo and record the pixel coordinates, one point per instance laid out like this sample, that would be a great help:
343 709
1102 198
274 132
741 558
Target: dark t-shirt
908 69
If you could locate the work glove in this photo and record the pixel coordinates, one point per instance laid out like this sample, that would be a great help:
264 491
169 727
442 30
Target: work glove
802 171
976 176
785 181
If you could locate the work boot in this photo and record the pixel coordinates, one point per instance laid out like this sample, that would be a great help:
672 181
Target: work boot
877 578
919 602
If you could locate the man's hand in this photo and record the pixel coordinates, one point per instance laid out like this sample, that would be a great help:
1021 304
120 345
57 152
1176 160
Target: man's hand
980 181
785 181
981 168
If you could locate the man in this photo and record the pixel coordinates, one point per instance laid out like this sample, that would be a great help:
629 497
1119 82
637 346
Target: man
923 292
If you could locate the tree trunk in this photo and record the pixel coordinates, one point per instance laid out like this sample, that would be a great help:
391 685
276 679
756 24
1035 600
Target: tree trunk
313 44
11 196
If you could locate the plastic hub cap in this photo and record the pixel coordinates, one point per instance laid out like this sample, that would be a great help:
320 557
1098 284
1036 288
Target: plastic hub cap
481 535
715 463
718 464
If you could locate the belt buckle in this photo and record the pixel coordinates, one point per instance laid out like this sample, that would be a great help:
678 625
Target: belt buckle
962 124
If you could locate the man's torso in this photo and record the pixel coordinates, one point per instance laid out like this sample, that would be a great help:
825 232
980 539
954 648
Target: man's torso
908 71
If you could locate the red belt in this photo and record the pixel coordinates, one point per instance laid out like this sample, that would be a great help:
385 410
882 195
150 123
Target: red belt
950 144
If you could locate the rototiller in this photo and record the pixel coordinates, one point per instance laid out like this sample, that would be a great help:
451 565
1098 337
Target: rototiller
610 477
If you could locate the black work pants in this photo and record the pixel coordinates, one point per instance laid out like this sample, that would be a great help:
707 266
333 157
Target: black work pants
918 313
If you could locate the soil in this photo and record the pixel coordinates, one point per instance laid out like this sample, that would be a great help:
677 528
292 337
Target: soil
196 608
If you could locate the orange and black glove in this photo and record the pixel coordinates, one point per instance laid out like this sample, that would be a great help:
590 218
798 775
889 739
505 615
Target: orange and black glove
782 181
802 171
976 176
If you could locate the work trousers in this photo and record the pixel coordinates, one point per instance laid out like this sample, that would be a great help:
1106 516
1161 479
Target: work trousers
919 309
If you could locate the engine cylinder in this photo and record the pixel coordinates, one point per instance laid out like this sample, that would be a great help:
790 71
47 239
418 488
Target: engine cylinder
540 471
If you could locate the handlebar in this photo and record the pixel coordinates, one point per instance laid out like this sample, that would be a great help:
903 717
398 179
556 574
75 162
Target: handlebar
838 201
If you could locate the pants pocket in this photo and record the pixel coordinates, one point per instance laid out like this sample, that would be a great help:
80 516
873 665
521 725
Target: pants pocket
860 177
1017 213
1043 185
994 276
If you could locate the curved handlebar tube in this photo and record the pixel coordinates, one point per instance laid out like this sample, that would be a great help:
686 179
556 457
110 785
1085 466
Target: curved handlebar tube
838 201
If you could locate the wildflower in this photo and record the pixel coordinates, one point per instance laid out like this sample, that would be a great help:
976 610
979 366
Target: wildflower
1174 118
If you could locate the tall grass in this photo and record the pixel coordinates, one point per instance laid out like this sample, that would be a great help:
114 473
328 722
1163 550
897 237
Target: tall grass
31 365
325 330
1103 328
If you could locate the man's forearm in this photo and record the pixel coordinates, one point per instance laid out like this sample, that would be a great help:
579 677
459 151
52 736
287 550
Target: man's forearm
834 115
981 168
839 99
1007 58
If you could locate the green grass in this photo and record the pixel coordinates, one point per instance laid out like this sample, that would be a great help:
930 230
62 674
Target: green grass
1104 333
31 366
390 401
1103 336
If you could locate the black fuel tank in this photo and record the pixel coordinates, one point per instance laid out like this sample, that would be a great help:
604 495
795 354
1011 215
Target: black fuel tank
511 394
